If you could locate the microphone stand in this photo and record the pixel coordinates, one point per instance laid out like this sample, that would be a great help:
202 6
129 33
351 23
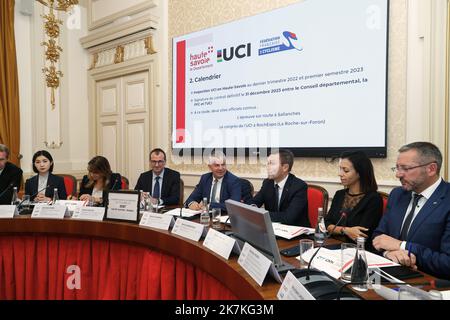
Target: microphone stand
32 197
7 188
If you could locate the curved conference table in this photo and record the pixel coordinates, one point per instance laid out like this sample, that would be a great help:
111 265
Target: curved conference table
75 259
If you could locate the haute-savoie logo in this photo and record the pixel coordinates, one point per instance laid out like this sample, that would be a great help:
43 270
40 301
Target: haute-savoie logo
288 41
241 51
201 59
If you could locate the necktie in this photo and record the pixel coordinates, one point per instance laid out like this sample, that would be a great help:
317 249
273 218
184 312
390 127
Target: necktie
409 217
277 194
214 190
156 188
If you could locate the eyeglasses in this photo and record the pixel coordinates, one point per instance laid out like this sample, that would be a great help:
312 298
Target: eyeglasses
406 169
159 162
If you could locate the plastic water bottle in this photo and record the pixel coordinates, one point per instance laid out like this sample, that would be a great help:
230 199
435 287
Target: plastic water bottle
55 196
15 197
360 270
320 232
204 215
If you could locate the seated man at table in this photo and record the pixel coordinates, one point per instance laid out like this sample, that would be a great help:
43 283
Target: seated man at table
10 176
282 193
161 182
217 186
415 230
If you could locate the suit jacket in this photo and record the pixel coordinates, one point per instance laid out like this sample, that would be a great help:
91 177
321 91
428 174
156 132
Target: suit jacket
115 183
231 189
32 184
429 234
170 189
293 202
367 213
10 174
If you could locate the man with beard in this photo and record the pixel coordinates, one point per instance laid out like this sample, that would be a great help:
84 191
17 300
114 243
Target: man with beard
415 230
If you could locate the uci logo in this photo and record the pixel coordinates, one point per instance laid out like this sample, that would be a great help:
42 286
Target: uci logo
241 51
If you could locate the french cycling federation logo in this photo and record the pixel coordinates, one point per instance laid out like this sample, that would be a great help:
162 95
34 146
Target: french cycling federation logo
288 41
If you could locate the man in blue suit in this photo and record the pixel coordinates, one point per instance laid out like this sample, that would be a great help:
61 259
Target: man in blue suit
217 186
415 230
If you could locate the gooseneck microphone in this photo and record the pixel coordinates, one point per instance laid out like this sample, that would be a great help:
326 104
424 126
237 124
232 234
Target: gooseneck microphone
34 195
7 188
308 270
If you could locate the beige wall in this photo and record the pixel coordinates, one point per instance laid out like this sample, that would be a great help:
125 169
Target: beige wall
187 16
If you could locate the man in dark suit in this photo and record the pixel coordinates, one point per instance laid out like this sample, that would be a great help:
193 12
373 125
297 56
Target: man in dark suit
415 230
10 176
161 182
283 194
217 186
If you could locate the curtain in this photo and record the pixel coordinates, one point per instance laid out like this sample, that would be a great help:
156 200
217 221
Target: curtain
9 83
44 267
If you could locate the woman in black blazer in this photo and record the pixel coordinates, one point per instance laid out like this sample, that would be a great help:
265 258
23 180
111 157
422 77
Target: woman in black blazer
99 181
360 200
42 185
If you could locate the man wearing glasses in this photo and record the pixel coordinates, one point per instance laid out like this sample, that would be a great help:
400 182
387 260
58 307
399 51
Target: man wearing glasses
10 176
415 230
162 183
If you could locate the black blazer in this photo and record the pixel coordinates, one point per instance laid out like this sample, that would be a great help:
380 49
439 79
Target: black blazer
293 202
115 183
31 186
10 174
367 213
170 189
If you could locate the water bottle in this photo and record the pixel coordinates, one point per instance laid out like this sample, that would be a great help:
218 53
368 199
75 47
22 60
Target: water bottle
360 270
55 196
320 232
15 197
204 215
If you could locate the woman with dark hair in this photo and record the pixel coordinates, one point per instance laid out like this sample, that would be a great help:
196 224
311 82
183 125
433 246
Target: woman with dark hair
43 184
360 200
99 180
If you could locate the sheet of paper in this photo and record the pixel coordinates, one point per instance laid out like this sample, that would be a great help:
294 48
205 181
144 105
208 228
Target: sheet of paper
254 263
288 232
188 229
292 289
156 220
219 243
188 213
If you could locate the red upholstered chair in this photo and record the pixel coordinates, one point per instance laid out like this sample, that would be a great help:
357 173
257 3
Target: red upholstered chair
124 183
385 197
317 198
70 182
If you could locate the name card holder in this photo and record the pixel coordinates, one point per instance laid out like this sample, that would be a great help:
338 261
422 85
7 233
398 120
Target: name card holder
49 212
188 229
219 243
254 263
156 220
89 213
292 289
8 211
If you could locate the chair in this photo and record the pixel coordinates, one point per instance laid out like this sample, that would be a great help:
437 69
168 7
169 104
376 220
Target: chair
385 197
247 190
70 183
181 203
124 183
317 198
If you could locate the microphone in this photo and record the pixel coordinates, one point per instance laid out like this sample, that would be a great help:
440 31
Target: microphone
115 183
308 270
7 188
34 195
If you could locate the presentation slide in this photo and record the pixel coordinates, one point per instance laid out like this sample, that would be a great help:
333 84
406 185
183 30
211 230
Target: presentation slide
310 76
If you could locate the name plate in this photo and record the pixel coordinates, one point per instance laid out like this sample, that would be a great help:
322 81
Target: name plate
188 229
219 243
157 221
89 213
8 211
292 289
45 211
254 263
72 205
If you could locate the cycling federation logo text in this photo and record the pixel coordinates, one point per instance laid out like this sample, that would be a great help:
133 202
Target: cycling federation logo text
287 41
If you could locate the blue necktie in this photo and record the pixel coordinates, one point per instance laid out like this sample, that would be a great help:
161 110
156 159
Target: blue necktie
156 188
